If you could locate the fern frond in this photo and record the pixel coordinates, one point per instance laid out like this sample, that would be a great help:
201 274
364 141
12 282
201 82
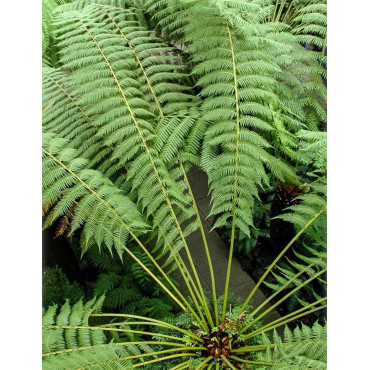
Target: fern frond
234 73
302 349
49 55
107 358
58 339
114 94
107 216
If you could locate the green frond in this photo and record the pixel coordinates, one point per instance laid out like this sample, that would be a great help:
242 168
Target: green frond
113 94
49 55
301 349
107 358
98 206
55 338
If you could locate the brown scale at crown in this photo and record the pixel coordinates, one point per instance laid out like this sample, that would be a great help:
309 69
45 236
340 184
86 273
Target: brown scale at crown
220 342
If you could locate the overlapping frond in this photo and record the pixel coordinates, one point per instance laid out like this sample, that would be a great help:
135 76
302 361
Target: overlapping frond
65 117
106 215
70 342
235 73
110 75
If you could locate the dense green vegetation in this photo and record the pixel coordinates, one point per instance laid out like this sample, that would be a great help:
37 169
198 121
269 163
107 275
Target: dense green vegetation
136 94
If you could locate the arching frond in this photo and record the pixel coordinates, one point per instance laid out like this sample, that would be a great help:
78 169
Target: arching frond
107 216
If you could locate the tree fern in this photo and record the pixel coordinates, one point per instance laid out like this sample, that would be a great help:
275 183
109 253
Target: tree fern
138 95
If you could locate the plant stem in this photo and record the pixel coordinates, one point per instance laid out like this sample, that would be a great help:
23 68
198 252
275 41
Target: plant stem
280 10
313 219
147 320
251 362
252 334
165 359
280 290
209 260
287 12
237 124
291 319
163 352
247 349
180 366
227 362
204 363
282 300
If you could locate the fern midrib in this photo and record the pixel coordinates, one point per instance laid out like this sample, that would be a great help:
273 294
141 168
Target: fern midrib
111 147
139 62
162 116
154 95
161 113
113 329
237 129
156 172
71 99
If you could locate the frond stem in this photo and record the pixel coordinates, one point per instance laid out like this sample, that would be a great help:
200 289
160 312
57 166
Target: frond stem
237 127
292 319
282 300
251 362
164 352
165 359
252 334
228 363
313 219
203 363
205 243
149 320
280 290
155 169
